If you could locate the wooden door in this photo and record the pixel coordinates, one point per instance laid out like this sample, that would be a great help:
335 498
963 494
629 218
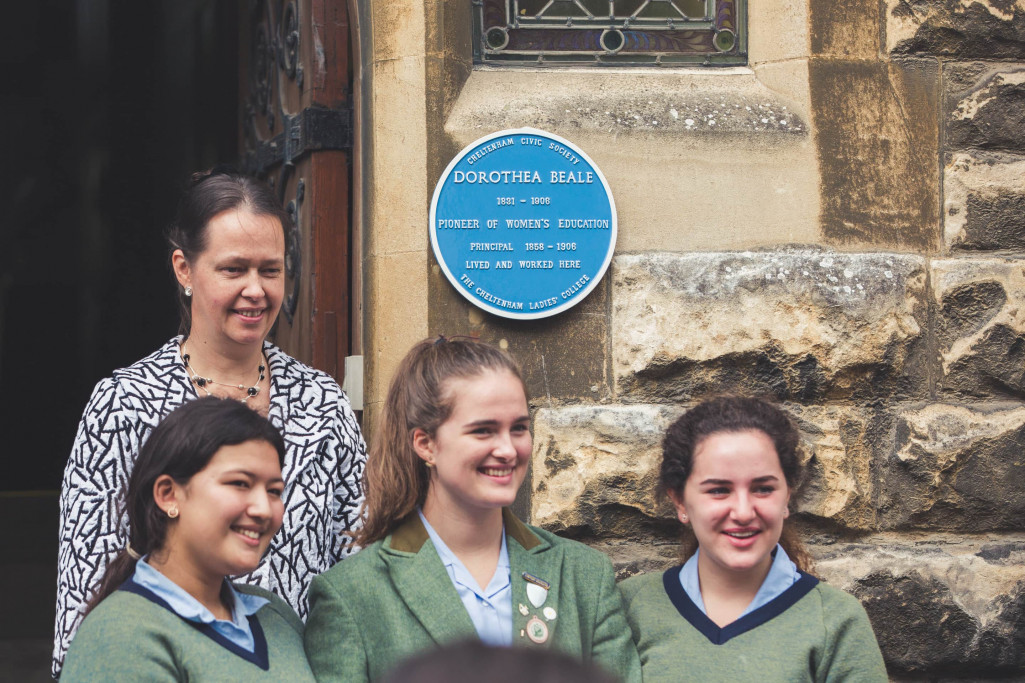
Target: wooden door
297 133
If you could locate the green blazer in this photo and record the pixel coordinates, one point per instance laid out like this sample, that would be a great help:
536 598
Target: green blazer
394 598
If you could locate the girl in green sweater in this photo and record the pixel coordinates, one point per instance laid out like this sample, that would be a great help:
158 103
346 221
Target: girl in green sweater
742 606
204 501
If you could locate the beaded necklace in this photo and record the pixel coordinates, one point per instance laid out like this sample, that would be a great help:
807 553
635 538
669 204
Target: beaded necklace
202 382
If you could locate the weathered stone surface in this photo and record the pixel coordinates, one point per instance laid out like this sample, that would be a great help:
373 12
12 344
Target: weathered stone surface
837 445
880 179
800 325
557 354
984 106
595 469
640 554
940 605
955 468
993 29
984 202
615 102
847 30
746 128
980 326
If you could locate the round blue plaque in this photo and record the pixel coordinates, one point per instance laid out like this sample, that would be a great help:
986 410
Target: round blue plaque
523 224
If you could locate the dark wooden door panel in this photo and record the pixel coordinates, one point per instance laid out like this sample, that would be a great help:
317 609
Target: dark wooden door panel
297 133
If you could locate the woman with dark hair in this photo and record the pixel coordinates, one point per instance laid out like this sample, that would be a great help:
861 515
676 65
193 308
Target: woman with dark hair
444 559
742 606
227 253
204 501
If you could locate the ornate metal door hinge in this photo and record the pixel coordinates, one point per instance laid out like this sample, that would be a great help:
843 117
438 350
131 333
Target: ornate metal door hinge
312 129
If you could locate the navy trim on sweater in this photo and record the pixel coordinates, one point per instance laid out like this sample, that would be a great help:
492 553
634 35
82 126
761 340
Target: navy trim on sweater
258 656
699 620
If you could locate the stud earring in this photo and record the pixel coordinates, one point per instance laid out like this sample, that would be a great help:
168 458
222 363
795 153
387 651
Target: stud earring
683 518
172 511
188 291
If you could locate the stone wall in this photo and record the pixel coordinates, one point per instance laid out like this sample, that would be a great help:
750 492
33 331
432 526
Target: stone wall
863 263
901 374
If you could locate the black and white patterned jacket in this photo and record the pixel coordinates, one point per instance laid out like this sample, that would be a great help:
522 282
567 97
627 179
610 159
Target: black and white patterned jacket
324 460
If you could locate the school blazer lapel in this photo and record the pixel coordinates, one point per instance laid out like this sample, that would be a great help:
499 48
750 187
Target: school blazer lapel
531 555
421 582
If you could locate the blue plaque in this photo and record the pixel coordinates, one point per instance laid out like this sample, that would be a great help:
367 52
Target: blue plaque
523 224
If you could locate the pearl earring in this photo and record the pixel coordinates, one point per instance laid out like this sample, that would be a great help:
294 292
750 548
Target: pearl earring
188 291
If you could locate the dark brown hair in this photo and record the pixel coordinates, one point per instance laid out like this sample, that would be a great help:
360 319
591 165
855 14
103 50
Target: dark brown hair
732 414
180 446
211 193
395 481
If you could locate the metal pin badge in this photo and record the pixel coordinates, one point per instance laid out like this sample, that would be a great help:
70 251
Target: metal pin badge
549 613
523 610
537 589
537 630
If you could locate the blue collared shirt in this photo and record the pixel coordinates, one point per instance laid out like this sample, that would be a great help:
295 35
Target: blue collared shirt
490 609
187 607
782 575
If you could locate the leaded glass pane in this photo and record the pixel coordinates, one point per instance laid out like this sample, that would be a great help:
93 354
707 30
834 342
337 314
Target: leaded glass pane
610 31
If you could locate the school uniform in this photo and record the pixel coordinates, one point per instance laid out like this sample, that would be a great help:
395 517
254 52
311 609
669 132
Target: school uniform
800 630
136 634
395 599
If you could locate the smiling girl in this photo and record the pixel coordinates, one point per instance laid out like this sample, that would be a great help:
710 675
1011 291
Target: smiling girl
204 501
742 606
444 559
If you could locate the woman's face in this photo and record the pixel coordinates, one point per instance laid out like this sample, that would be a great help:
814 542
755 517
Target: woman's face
228 513
237 280
735 500
479 455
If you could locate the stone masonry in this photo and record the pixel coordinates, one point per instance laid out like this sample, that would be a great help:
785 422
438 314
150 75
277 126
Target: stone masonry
904 374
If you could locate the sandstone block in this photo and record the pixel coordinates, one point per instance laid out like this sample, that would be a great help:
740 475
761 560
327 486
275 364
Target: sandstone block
941 605
557 354
845 30
980 326
799 325
984 106
837 447
955 468
879 177
993 29
984 201
595 468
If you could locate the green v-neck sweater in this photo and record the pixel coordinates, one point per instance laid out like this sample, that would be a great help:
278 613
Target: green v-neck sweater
811 632
129 637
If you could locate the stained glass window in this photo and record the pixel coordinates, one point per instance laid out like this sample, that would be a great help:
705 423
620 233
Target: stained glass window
653 32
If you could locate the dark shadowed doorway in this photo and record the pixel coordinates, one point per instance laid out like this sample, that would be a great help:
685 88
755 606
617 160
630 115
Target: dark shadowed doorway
108 106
